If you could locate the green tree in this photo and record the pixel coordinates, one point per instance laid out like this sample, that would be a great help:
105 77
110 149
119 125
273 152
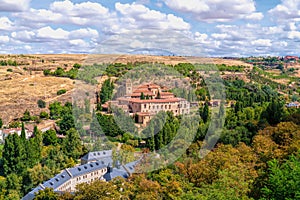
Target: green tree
26 116
283 179
14 157
142 96
274 112
55 110
106 91
1 123
46 194
67 122
50 138
72 144
44 115
205 112
41 103
23 133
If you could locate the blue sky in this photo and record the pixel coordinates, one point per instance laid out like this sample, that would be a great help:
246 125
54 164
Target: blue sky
182 27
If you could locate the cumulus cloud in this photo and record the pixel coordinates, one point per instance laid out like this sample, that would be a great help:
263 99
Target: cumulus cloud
288 10
255 16
262 42
6 24
151 41
66 12
24 36
14 5
4 39
85 9
294 35
140 16
216 10
84 33
49 33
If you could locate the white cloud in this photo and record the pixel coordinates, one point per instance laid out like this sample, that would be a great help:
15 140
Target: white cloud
84 33
25 36
4 39
66 12
85 9
255 16
262 42
293 35
6 24
220 35
140 16
216 10
14 5
49 33
286 11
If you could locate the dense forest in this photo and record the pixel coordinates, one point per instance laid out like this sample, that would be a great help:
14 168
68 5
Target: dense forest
256 157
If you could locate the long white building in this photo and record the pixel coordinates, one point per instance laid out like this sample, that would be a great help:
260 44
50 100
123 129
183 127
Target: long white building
97 166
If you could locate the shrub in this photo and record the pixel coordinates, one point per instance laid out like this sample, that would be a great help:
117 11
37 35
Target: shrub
62 91
9 70
44 115
41 103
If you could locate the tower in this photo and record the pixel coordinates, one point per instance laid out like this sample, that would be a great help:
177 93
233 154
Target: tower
128 87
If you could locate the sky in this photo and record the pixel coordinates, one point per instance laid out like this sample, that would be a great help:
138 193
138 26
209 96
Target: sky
215 28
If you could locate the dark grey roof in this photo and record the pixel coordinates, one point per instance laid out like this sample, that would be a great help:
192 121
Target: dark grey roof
65 176
57 180
131 166
86 168
97 155
121 172
98 160
31 194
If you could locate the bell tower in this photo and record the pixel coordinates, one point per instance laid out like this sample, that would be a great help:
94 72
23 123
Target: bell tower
128 87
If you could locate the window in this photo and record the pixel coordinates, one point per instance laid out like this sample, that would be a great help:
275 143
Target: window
169 106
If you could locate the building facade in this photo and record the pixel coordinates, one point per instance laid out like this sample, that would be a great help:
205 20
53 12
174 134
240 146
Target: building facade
97 166
147 100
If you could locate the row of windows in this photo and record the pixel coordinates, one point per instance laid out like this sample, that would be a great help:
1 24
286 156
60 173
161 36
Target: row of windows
92 174
65 186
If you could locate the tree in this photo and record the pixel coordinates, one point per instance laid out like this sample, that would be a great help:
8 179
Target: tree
50 138
23 133
66 123
142 96
76 66
205 113
14 157
41 103
46 194
26 116
44 115
55 110
106 91
283 179
72 144
1 123
274 112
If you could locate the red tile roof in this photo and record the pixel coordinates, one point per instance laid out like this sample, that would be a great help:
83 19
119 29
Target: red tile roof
169 100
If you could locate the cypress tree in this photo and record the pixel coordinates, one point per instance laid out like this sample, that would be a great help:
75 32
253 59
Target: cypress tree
23 133
142 96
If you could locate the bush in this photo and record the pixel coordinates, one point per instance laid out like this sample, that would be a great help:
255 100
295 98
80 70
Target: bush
9 70
41 103
47 72
62 91
77 66
44 115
